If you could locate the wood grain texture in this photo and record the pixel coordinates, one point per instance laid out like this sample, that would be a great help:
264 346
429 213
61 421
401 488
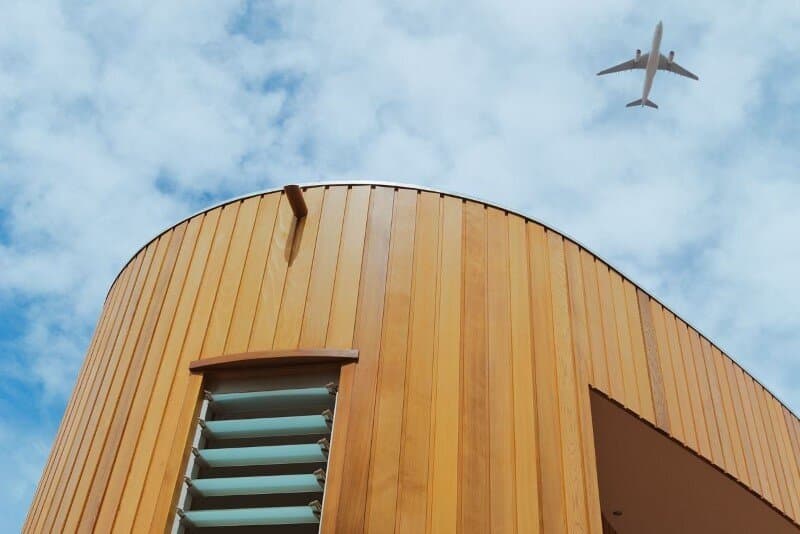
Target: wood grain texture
502 492
480 334
150 450
442 507
526 424
695 399
569 416
582 365
412 488
134 426
718 413
608 319
109 453
624 343
548 394
367 339
101 413
594 324
385 454
657 388
734 441
474 439
682 382
670 385
335 476
640 363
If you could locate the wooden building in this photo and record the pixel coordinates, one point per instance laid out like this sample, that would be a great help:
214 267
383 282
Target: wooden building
485 373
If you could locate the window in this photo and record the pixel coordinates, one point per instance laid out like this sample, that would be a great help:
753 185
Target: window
259 452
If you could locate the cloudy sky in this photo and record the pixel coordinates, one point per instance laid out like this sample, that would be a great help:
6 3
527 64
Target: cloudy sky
117 121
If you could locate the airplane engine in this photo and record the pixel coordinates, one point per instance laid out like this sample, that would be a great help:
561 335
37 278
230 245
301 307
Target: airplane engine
671 56
638 55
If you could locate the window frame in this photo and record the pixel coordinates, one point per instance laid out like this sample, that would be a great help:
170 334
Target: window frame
294 361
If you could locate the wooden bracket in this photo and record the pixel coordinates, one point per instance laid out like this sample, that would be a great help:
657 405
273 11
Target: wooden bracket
295 196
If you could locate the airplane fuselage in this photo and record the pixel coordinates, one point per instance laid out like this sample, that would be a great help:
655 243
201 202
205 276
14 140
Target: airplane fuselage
652 62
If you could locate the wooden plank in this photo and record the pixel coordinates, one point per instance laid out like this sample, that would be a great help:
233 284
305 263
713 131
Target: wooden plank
526 442
348 270
753 433
222 310
786 458
569 416
381 501
133 429
164 486
668 374
793 429
414 455
500 388
609 322
682 383
580 343
640 364
577 308
335 475
718 410
66 491
793 449
706 398
252 274
474 479
630 383
166 503
770 444
109 453
119 391
657 387
548 396
594 324
442 508
87 403
78 399
695 357
766 452
748 447
700 424
269 298
367 340
739 469
162 400
185 343
323 270
295 289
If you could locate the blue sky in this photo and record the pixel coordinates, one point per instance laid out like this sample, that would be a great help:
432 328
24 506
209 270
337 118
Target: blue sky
118 120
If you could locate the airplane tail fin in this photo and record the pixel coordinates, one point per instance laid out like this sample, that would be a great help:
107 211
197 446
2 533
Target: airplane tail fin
648 103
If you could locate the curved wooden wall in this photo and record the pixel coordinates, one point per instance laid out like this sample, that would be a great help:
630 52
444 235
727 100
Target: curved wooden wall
479 334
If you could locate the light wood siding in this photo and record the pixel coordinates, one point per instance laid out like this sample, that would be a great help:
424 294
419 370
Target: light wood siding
479 332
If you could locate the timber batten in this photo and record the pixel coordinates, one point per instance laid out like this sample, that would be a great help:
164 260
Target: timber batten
469 336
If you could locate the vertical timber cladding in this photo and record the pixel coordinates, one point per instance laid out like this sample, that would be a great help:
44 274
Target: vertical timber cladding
479 331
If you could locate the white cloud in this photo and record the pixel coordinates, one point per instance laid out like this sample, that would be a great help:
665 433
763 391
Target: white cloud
117 120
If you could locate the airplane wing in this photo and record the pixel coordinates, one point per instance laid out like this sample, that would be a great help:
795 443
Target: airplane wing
627 65
664 64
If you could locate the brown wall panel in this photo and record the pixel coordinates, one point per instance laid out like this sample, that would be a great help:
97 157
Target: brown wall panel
480 334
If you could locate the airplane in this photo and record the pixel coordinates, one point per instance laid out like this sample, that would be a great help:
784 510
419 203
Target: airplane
651 62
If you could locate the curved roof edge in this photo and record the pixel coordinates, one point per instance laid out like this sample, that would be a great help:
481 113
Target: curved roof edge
401 185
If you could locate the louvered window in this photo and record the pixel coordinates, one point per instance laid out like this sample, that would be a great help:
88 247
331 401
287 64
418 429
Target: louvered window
259 456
